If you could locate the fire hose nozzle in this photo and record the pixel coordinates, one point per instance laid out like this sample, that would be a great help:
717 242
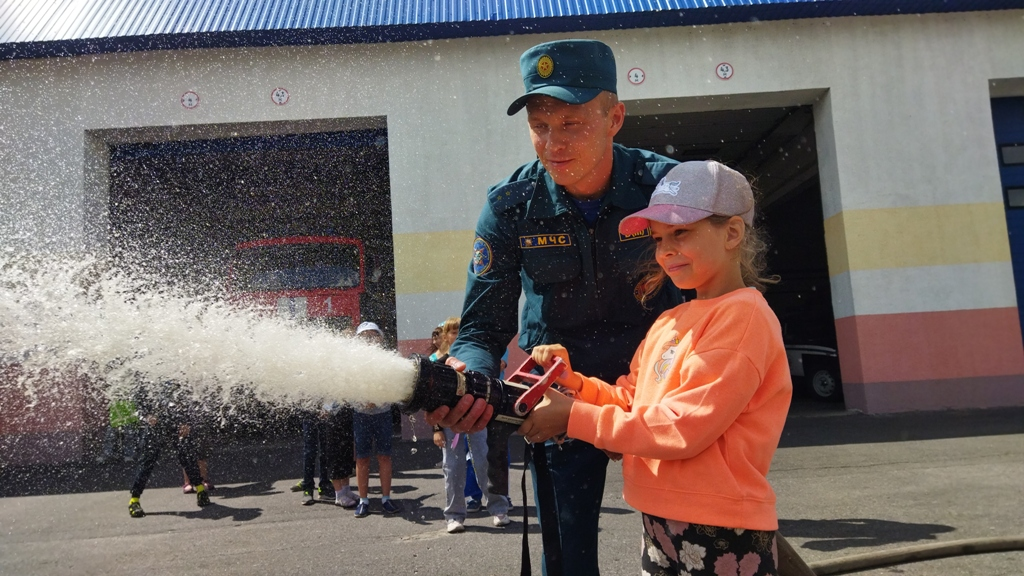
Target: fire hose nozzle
439 385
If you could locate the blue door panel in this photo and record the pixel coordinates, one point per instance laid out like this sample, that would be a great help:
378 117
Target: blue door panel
1008 124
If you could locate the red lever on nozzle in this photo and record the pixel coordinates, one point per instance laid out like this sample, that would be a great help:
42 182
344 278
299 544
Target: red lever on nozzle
541 382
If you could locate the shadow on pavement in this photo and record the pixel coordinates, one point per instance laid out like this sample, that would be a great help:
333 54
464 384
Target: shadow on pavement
833 535
255 462
818 427
215 512
261 462
251 489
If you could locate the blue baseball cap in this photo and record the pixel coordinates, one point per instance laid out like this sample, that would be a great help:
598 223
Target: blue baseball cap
573 71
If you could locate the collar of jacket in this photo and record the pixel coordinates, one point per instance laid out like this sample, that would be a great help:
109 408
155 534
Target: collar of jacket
550 199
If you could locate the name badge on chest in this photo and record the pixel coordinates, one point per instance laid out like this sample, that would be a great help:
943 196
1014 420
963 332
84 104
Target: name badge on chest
545 241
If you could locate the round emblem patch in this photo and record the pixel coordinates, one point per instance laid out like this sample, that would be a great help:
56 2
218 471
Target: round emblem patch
481 256
545 66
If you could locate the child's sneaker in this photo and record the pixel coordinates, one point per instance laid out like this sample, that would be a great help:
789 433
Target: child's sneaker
473 505
455 527
326 492
202 498
135 510
502 520
346 500
362 510
390 507
208 485
307 498
298 487
188 489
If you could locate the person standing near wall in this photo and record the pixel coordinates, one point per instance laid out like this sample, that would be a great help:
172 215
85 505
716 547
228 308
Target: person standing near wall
371 427
454 464
551 230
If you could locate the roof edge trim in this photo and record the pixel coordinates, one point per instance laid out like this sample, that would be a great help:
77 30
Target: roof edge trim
447 30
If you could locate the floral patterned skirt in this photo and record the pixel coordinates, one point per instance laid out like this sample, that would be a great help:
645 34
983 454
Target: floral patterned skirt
673 548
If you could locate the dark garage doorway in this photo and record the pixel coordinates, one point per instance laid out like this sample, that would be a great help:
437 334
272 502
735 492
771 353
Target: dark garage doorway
776 149
179 208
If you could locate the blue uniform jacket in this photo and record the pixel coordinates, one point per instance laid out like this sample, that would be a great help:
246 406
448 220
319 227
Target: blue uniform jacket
579 281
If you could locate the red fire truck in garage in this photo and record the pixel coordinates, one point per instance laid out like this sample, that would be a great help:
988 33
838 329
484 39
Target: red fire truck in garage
319 279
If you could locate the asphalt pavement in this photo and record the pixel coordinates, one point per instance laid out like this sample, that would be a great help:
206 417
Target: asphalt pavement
846 483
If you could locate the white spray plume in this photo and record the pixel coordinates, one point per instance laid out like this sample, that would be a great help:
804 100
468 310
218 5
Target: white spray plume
80 313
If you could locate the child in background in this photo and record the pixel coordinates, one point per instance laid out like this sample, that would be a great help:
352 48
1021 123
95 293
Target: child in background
454 463
472 491
699 416
123 430
314 451
340 452
169 417
371 426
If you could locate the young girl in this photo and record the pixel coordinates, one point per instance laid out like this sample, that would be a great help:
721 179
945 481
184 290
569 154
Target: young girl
699 416
454 465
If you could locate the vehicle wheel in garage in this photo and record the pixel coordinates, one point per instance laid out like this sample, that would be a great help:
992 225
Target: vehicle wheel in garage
823 381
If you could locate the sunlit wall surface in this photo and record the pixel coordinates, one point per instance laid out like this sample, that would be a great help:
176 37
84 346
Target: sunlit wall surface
922 287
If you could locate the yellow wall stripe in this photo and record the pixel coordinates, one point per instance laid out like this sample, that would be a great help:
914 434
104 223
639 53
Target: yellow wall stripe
432 261
916 236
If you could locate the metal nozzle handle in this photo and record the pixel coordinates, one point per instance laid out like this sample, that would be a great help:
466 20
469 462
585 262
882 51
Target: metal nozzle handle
527 400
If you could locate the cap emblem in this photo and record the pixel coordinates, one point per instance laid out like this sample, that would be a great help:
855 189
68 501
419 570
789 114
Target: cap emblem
670 187
545 66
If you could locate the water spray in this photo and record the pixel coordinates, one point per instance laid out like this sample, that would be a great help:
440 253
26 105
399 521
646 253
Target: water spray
120 331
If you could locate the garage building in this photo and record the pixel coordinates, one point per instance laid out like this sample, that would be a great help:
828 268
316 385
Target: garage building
887 140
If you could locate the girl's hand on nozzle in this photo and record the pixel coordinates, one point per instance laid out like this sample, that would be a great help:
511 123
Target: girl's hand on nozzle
545 355
549 418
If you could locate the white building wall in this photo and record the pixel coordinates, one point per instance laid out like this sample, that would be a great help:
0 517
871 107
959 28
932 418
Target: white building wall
907 98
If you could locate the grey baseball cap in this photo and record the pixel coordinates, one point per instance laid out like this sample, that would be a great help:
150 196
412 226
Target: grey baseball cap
693 191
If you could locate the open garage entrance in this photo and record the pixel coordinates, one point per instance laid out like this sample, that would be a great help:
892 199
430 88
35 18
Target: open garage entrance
182 208
774 147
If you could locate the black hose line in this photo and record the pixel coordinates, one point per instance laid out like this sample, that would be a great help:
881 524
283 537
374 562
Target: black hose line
934 551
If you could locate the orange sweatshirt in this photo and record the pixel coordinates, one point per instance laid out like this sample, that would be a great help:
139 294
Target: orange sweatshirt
699 416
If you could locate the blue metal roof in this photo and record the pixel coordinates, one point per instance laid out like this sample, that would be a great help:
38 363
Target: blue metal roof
37 28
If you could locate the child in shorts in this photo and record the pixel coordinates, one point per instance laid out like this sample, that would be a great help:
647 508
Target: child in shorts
371 426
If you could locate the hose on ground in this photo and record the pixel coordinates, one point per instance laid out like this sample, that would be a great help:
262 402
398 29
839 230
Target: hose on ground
934 551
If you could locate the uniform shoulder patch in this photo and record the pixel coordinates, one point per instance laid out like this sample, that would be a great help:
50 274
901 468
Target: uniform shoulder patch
482 256
509 195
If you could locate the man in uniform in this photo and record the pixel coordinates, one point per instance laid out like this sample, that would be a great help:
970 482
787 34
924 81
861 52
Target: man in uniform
551 230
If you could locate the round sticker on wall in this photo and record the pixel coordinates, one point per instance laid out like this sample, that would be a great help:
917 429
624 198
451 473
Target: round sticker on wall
724 70
636 76
190 100
279 96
